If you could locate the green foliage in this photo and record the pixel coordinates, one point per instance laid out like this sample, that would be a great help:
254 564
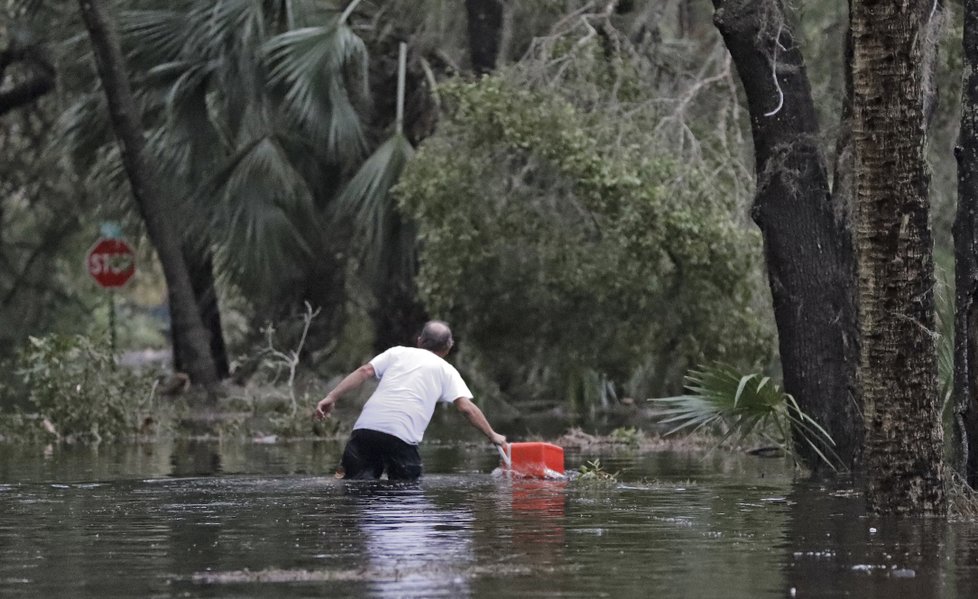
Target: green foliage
593 472
626 436
252 111
386 241
743 405
554 254
77 391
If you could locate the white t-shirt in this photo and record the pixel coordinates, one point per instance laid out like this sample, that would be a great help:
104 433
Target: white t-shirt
412 381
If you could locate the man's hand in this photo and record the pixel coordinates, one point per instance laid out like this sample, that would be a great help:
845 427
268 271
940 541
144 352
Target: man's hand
324 407
500 440
349 383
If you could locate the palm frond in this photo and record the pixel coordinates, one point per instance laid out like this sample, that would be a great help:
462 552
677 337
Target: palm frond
311 65
367 201
720 396
260 200
224 20
154 37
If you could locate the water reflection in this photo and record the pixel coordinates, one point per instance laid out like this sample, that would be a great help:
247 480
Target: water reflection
225 520
835 549
538 513
412 547
195 458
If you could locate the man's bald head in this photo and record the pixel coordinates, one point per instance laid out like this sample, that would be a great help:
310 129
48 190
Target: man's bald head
436 336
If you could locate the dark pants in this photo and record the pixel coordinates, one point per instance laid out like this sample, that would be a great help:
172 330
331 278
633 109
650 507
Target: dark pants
369 453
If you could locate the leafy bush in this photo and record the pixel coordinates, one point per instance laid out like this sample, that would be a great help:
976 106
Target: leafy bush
76 388
554 255
626 436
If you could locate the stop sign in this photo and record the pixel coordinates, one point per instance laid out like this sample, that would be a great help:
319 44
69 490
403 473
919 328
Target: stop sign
111 262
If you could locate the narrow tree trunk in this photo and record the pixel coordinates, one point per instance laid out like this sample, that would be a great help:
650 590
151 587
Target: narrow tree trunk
807 246
485 25
200 265
965 430
162 232
898 365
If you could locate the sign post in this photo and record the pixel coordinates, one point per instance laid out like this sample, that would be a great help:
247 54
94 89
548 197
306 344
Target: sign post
111 262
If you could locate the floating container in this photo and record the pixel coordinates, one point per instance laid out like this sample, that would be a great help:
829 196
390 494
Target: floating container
535 460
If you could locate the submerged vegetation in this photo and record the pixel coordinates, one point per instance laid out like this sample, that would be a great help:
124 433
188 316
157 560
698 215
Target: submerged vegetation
75 392
594 472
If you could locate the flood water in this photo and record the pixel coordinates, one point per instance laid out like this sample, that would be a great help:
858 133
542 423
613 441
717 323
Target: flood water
254 520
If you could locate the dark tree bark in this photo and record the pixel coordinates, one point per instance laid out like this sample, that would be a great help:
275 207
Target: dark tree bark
807 246
485 25
40 82
898 358
163 233
200 265
965 230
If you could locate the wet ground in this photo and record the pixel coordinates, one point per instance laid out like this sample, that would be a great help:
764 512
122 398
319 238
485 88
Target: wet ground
269 520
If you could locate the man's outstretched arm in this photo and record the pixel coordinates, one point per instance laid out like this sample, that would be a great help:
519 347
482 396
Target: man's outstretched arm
478 420
349 383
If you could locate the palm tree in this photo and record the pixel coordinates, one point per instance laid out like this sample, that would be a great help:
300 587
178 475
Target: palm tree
898 359
257 115
125 117
257 123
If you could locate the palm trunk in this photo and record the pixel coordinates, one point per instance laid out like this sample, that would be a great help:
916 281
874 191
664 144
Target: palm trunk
807 245
485 26
898 361
965 430
200 265
163 233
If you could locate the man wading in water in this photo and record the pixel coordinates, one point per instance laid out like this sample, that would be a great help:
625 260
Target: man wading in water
390 427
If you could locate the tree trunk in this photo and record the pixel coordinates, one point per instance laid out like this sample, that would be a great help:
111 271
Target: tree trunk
965 429
898 361
162 231
200 266
807 246
485 25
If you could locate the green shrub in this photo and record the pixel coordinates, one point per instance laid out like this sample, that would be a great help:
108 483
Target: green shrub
74 385
626 436
555 255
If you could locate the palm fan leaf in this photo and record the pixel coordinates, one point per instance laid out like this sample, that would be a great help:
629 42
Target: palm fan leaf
311 65
744 404
261 198
367 201
154 37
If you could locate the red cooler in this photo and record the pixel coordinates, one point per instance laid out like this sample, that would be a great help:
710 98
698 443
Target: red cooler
536 460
